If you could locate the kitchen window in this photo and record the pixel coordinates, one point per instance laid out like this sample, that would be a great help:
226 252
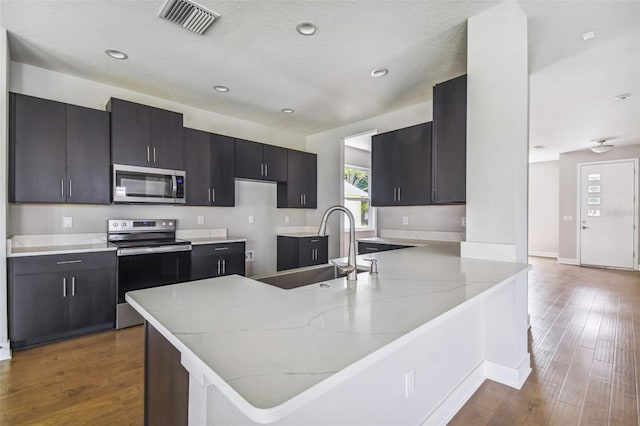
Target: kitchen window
356 197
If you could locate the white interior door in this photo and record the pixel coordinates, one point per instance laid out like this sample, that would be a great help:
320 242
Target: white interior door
607 214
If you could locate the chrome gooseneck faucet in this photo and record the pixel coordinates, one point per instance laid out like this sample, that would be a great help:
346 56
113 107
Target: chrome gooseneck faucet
350 269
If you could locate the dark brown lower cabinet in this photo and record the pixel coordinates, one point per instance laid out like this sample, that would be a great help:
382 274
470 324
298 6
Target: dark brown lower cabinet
166 382
296 252
217 260
369 247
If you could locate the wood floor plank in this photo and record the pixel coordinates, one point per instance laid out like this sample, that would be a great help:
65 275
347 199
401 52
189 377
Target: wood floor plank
595 410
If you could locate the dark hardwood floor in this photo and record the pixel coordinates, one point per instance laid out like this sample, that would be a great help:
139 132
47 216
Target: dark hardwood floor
584 342
89 380
585 353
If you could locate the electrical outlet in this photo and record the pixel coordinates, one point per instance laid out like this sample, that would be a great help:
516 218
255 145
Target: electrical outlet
409 382
405 220
67 222
200 220
250 219
286 219
463 221
248 255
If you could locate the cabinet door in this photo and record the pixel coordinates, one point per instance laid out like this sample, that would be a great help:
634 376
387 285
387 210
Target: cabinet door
37 150
129 133
287 256
249 161
166 139
412 165
275 163
223 183
88 156
292 191
310 180
234 264
450 141
382 180
92 298
37 307
197 165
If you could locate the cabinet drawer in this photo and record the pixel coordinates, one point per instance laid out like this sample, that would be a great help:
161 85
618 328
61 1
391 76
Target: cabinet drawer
312 241
217 249
61 262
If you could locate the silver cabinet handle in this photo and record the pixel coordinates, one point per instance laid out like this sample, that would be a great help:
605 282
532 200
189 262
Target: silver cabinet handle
224 266
220 248
218 266
313 241
66 262
371 249
266 170
209 193
154 154
70 189
261 169
148 155
64 287
305 199
62 187
301 199
213 195
394 193
399 195
73 286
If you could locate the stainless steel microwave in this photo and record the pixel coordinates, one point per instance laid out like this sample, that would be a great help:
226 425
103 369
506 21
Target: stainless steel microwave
134 184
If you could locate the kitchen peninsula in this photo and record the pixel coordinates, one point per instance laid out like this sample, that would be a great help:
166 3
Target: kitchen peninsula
406 346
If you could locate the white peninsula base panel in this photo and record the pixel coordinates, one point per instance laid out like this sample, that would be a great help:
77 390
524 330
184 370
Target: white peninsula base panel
449 359
408 346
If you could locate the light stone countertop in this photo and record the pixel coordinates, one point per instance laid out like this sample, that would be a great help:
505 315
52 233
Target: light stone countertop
50 244
396 241
214 240
269 349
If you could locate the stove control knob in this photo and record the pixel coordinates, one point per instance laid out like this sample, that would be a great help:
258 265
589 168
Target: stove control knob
123 224
115 224
164 223
170 223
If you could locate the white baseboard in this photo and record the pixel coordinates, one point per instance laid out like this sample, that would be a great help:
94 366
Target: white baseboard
568 261
543 253
456 399
5 351
510 376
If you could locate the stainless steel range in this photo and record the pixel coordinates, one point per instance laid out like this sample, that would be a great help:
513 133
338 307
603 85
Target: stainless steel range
149 255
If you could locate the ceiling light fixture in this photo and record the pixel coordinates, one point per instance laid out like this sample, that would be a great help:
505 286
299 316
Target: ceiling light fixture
601 148
588 35
622 97
116 54
307 28
287 110
379 72
222 89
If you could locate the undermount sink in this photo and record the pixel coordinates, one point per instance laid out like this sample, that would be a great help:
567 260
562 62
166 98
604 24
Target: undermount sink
300 277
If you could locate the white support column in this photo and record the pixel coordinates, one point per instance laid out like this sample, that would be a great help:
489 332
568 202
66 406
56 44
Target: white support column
5 353
497 134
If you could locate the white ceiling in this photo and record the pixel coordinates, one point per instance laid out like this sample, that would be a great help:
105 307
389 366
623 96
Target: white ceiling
255 51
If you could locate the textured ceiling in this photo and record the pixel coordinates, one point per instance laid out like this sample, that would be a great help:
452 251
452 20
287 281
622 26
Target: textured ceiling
255 51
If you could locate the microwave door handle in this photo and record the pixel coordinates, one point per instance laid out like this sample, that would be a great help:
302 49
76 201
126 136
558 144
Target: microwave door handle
174 180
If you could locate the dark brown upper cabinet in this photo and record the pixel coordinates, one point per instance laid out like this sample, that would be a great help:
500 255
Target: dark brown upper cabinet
450 141
59 153
145 136
259 161
401 167
210 167
300 190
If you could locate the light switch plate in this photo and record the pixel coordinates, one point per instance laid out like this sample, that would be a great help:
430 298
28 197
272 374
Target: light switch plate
405 220
286 219
67 222
200 220
409 382
250 219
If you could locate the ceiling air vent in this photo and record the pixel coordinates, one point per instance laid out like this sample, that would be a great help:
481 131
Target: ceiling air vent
190 15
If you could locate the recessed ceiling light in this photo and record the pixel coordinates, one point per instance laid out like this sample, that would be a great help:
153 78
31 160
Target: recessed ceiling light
307 28
222 89
116 54
287 110
622 97
588 35
539 147
379 72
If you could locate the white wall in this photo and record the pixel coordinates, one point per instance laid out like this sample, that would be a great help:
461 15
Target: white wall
357 157
497 134
568 204
543 208
252 198
4 135
329 146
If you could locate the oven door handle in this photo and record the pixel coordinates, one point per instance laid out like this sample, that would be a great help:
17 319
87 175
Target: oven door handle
151 250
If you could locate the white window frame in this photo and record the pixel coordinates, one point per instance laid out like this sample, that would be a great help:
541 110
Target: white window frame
372 210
